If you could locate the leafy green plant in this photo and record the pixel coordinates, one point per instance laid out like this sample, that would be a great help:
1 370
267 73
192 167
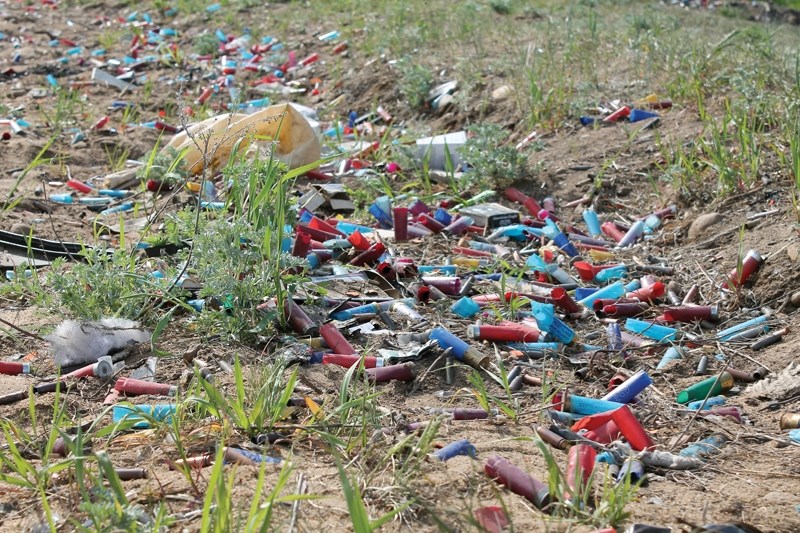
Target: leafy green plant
164 167
109 284
239 274
408 455
501 7
492 163
27 459
38 161
415 82
116 157
205 44
356 415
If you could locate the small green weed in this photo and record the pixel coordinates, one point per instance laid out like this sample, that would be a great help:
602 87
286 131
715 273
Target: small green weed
255 409
415 82
492 162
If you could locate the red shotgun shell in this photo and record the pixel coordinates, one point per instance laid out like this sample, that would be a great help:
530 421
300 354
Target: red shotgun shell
691 313
631 429
750 264
580 464
611 229
135 387
402 372
334 338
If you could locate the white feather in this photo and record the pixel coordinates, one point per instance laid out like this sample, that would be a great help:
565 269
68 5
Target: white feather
76 342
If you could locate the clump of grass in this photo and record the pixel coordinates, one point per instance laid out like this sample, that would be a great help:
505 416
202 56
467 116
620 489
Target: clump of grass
358 510
254 409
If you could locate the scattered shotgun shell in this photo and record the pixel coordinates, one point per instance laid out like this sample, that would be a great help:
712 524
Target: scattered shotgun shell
492 519
581 405
553 439
619 114
430 223
604 433
245 457
630 388
302 244
738 276
702 365
459 447
790 421
691 313
466 287
400 216
515 384
44 388
464 413
708 387
335 340
349 360
740 375
673 353
631 429
102 369
515 195
505 333
651 330
728 333
450 370
461 350
632 468
370 255
13 369
135 387
401 372
580 464
547 320
769 340
731 411
707 404
196 462
705 447
690 296
517 481
564 301
448 285
61 449
465 307
621 310
747 334
128 474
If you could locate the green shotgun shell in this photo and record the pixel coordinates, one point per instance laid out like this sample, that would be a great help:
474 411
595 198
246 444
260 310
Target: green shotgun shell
708 387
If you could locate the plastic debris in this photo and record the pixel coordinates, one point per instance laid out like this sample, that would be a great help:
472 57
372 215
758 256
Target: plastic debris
75 343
